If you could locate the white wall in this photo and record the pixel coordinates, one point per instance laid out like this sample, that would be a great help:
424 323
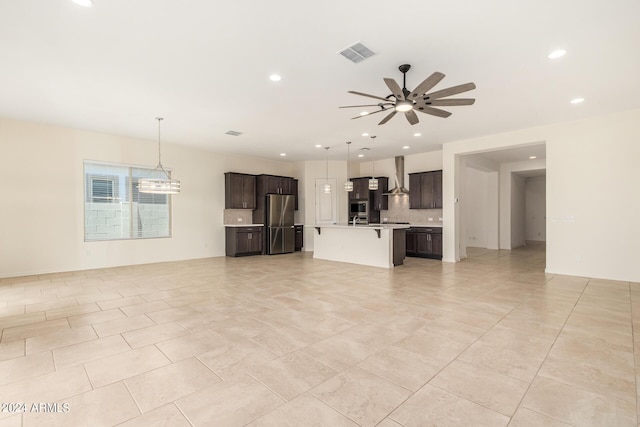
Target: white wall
41 224
535 227
476 207
517 210
591 162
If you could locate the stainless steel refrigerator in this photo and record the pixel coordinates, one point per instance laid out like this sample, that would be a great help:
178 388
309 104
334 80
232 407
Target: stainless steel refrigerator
279 222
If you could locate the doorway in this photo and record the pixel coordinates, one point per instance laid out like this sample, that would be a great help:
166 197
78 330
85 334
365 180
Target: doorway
502 198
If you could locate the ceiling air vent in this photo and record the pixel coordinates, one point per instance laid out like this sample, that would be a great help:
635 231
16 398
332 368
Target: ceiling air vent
356 53
233 133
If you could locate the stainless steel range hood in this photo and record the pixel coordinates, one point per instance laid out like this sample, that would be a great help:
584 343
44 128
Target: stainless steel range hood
399 189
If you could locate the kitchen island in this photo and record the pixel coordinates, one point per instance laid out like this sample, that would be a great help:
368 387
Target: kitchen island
377 245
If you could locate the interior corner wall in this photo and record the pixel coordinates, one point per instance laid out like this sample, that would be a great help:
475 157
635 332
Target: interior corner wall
476 207
517 210
42 226
492 223
535 209
589 162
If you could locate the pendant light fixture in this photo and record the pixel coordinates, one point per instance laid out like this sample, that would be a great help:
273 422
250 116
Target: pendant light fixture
326 188
373 182
162 185
348 185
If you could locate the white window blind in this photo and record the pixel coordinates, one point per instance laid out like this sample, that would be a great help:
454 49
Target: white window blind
115 209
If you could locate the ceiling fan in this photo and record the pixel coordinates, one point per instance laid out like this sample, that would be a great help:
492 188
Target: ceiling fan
404 101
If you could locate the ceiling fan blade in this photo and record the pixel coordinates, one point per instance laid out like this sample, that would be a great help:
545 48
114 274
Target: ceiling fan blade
388 117
357 106
395 89
366 94
412 117
367 115
453 90
433 111
426 85
451 102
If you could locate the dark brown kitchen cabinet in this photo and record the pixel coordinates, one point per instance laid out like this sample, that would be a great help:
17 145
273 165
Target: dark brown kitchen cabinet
294 191
299 239
277 184
360 189
379 201
424 242
241 241
240 191
425 190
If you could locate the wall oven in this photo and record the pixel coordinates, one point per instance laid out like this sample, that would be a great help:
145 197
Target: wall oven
360 209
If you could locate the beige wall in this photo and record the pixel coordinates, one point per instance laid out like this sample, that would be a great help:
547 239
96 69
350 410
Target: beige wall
41 224
591 168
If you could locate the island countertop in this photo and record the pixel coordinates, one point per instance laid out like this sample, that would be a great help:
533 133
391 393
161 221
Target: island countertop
378 245
365 226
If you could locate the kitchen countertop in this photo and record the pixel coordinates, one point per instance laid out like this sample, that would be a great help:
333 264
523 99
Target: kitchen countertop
244 225
364 226
427 225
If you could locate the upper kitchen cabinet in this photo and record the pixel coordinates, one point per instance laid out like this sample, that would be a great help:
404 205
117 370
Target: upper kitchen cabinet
425 190
378 200
277 184
360 189
240 191
294 191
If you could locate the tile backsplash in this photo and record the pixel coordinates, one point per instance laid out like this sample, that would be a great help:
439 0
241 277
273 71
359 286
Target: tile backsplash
237 216
399 212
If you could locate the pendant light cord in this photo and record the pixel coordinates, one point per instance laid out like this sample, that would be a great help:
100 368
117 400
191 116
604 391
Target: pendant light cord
327 177
159 119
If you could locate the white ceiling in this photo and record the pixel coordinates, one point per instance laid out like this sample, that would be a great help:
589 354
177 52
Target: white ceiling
204 65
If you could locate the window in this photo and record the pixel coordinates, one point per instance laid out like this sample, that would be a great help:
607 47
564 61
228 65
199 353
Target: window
102 189
115 209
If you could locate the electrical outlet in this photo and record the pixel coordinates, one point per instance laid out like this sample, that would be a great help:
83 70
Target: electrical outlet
430 219
239 219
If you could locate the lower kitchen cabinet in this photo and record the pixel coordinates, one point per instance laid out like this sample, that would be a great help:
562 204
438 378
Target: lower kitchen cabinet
299 242
424 242
241 241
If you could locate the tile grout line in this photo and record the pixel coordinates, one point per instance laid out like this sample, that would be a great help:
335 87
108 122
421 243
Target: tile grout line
545 358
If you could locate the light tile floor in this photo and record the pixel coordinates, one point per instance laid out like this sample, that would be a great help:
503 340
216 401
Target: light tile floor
292 341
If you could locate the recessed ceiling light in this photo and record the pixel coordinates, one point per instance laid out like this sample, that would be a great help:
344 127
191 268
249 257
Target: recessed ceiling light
365 134
364 113
417 134
85 3
275 78
406 147
318 145
283 154
360 155
532 157
577 100
557 54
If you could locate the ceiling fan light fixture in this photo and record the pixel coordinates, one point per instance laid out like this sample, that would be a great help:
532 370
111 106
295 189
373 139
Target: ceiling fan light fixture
404 106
